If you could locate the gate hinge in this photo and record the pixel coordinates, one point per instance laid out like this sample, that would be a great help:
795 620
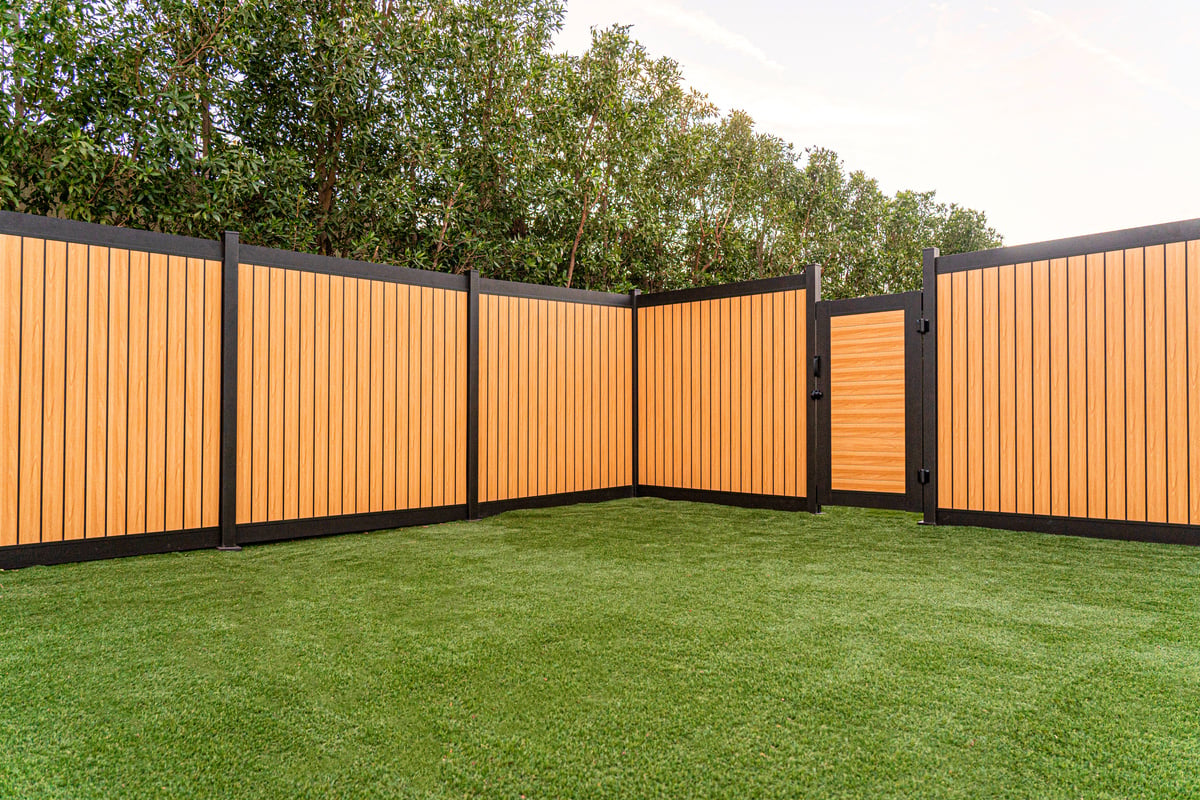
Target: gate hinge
923 325
922 476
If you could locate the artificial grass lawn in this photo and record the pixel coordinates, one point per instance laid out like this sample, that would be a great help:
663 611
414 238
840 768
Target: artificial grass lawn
639 648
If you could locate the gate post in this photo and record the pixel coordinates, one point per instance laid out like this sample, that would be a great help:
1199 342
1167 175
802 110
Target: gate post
229 382
812 294
929 372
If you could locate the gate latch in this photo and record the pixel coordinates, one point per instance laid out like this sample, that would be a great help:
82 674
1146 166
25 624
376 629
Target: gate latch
922 476
922 325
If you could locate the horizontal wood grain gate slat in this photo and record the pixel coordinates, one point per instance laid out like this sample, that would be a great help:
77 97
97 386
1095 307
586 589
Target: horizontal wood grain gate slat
870 406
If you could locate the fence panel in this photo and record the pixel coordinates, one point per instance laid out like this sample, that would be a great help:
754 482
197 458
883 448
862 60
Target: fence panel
351 396
555 395
111 415
1098 429
722 393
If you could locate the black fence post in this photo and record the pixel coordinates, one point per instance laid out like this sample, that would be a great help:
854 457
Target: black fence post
473 394
633 395
229 382
812 294
929 371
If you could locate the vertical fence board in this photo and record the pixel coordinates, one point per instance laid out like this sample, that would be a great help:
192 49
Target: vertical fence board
991 390
337 392
1176 384
54 391
135 429
1135 385
959 347
1059 389
97 393
362 398
322 388
1043 411
1097 404
10 376
1193 346
1114 376
975 421
118 383
276 380
306 321
33 273
1156 386
193 394
1006 342
211 417
1077 408
290 394
1023 381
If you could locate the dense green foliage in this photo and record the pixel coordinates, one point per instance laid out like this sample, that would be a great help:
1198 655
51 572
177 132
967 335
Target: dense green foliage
441 134
632 649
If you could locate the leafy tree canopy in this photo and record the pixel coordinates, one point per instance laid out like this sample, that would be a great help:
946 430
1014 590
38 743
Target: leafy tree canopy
438 134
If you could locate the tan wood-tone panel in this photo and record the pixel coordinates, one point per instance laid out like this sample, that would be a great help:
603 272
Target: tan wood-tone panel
513 395
719 344
1077 457
945 362
289 419
803 327
667 401
1007 344
1193 313
403 346
245 390
211 437
488 401
429 300
390 356
10 376
135 493
1114 349
1156 387
350 397
596 443
33 273
657 413
176 392
540 365
156 394
503 397
975 421
277 326
1097 458
416 392
54 391
958 312
193 394
1176 383
321 391
618 359
757 394
306 319
793 393
438 412
375 389
97 391
779 342
362 398
519 467
1043 471
746 396
642 365
1023 372
683 400
1059 389
1135 385
991 390
866 408
570 429
118 383
337 391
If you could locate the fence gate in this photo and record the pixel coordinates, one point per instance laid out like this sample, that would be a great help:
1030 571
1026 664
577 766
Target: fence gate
868 401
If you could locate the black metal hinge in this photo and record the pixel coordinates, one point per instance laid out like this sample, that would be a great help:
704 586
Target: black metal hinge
922 325
922 476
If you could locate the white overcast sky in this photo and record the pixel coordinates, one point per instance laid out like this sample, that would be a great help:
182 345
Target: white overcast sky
1055 118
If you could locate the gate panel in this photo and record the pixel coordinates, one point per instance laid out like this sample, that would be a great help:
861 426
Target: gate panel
870 417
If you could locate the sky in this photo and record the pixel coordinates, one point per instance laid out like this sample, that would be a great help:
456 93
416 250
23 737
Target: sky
1056 119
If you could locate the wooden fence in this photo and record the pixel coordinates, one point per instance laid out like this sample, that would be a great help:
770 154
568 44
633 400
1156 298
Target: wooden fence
1066 377
166 393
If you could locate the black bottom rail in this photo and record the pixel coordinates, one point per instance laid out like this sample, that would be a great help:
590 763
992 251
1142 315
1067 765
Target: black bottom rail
493 507
1155 532
282 530
775 502
135 544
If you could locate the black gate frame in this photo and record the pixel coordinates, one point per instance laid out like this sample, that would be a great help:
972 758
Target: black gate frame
912 498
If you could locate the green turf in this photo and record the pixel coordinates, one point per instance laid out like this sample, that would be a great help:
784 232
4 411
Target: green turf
631 649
